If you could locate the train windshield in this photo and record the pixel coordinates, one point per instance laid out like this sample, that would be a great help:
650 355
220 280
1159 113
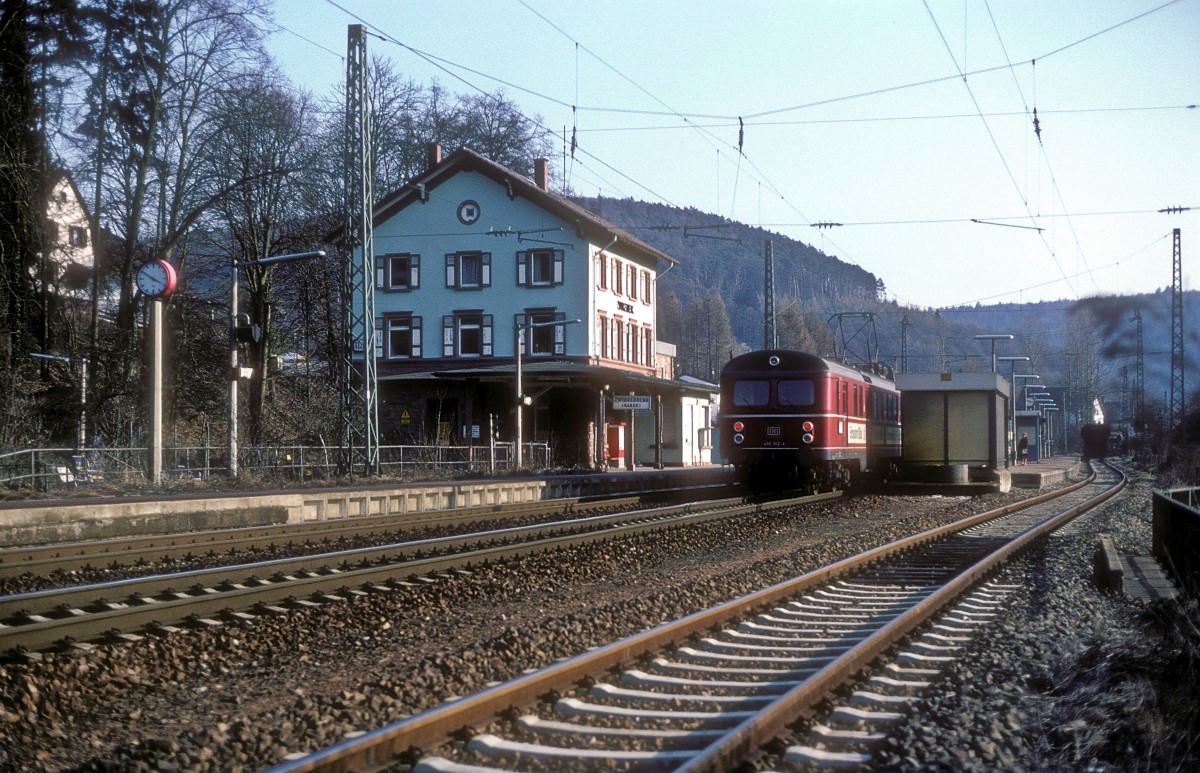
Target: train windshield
751 392
795 392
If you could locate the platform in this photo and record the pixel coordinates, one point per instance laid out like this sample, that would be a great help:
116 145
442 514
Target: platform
1046 472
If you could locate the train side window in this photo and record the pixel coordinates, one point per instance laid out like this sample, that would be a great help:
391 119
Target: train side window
751 392
795 392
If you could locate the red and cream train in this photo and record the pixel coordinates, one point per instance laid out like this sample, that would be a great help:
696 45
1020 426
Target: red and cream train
795 420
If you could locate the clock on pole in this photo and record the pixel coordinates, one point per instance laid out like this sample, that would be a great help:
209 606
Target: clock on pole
157 279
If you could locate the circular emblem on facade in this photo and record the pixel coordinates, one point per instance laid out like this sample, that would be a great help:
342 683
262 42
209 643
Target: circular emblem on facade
468 212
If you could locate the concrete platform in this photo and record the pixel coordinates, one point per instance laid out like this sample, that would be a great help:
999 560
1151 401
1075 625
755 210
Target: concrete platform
83 518
1145 580
1047 472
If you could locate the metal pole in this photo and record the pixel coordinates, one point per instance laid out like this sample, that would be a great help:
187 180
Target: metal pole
518 461
156 368
83 366
232 449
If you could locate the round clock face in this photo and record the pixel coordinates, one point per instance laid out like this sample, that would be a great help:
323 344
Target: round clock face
156 279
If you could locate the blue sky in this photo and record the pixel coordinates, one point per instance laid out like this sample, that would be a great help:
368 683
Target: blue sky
854 112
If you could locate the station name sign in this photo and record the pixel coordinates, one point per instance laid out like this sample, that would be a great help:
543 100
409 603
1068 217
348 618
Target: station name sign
631 402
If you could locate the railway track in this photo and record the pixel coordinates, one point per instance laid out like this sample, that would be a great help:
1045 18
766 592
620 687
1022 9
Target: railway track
723 686
159 604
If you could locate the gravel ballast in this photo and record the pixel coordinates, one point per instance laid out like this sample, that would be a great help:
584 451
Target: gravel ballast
241 696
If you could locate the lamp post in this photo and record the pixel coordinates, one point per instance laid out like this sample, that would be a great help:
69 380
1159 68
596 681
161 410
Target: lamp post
235 369
523 399
994 337
1012 402
83 362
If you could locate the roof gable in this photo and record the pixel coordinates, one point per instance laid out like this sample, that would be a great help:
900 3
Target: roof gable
587 225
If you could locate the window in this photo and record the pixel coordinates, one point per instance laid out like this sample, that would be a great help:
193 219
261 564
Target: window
795 392
618 276
468 270
619 334
546 339
751 392
648 334
402 336
603 270
540 268
646 287
397 272
633 283
78 236
467 334
604 348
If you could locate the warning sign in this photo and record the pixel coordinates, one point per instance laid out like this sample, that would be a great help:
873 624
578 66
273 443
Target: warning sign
405 417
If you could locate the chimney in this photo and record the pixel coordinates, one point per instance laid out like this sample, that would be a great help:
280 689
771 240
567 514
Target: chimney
541 173
433 155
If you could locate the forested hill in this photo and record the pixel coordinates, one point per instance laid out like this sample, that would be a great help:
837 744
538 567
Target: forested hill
720 257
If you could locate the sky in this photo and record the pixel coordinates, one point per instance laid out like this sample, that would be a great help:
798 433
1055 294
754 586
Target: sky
908 123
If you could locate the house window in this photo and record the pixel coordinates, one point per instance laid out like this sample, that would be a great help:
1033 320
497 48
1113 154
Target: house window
603 272
468 270
633 283
618 274
540 268
546 339
645 287
398 272
402 336
604 348
467 334
78 236
648 342
619 354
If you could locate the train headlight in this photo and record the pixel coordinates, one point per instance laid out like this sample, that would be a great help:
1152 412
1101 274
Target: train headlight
738 438
738 426
807 426
807 438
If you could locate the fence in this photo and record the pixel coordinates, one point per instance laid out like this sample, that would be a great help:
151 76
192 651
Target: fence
49 467
1177 535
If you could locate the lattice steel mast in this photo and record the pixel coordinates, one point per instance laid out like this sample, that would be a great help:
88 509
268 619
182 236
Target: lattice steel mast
770 334
1175 419
359 440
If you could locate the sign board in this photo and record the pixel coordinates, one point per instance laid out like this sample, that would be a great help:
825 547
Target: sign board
631 402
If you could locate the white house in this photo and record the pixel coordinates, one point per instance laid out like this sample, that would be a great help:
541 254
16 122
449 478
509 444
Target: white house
470 259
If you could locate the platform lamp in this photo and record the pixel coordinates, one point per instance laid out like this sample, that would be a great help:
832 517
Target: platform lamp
994 337
522 398
247 331
1012 400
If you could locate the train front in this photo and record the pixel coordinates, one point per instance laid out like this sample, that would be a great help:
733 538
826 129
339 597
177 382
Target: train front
767 420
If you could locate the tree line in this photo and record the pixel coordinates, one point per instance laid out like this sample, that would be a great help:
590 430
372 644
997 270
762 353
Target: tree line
188 144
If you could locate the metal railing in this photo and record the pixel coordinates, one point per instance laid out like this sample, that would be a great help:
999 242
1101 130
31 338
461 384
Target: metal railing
44 468
1176 540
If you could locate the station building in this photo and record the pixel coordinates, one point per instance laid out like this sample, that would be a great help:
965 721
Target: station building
473 260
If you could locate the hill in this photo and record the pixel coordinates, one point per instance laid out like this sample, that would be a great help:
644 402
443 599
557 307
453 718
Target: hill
1084 346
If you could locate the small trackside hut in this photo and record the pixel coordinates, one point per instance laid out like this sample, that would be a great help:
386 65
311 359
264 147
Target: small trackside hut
954 432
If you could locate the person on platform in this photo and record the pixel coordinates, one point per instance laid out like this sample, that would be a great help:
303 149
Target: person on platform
1023 449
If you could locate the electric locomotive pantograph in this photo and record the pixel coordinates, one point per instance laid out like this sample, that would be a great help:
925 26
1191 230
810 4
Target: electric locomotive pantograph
795 420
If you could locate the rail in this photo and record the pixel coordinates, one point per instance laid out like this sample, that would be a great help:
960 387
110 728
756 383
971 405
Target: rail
1176 538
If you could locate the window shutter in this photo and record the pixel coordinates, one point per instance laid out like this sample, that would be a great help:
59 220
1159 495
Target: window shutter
487 335
560 332
414 271
448 335
451 278
558 267
485 269
416 336
379 281
603 271
633 283
522 269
